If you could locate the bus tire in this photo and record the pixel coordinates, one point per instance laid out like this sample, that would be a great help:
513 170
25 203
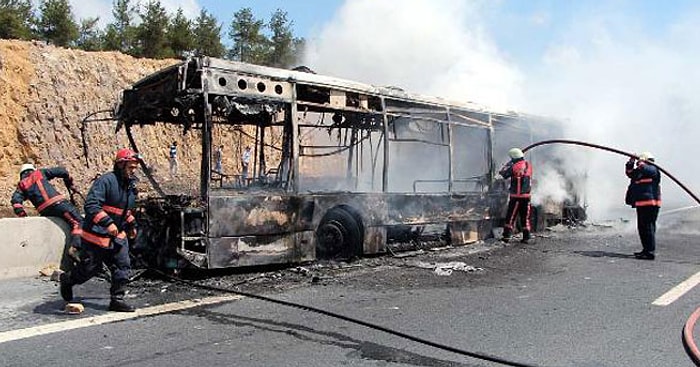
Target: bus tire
338 236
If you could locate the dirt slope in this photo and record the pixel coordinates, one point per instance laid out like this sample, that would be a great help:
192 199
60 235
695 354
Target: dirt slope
46 91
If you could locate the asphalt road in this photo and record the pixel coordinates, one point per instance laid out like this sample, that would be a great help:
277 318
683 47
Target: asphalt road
571 298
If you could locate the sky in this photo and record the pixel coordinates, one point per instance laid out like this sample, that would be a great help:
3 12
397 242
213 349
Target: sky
621 73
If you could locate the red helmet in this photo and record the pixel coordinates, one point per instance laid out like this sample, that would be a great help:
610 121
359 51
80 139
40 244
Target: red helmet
127 155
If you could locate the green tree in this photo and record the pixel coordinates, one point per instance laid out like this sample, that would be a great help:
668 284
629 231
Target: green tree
16 19
90 37
120 35
57 23
283 45
151 33
179 35
207 35
250 44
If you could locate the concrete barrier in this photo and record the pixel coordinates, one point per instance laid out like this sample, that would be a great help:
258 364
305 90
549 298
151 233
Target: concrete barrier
30 244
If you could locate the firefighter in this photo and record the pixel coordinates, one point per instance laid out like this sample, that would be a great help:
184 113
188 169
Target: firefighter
34 186
520 173
644 194
109 223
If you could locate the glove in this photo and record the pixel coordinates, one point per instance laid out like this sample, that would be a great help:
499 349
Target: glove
74 253
131 233
112 230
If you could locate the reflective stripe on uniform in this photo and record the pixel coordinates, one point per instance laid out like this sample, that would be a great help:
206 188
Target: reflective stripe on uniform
49 202
30 180
112 209
99 216
511 221
42 190
99 240
650 202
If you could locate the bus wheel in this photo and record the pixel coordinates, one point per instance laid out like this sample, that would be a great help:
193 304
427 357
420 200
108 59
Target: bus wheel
338 236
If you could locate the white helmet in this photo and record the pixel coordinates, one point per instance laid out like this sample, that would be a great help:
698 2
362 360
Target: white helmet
647 156
515 153
26 166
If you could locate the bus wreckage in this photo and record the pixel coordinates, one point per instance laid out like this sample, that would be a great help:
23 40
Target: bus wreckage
339 168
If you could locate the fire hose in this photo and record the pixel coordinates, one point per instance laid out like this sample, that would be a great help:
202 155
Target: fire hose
481 356
630 155
687 333
73 192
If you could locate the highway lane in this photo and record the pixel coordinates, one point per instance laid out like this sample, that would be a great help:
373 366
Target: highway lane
571 298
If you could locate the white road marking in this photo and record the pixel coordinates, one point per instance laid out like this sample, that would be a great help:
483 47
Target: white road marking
110 317
678 291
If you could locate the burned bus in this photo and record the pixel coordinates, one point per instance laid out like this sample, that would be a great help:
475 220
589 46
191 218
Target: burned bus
337 168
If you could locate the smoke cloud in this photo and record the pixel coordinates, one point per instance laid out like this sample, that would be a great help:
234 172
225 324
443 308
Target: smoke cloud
612 80
430 47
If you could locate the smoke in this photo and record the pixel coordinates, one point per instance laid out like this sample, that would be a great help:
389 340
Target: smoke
613 78
431 47
627 89
550 187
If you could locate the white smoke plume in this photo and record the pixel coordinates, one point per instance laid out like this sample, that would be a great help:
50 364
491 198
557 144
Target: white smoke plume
430 47
629 90
614 81
550 187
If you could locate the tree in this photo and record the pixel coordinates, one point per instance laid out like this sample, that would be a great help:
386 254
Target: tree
16 19
121 34
250 45
152 31
283 45
179 35
57 23
90 37
207 35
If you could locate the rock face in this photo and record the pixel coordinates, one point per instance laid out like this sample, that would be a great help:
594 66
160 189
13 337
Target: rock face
46 92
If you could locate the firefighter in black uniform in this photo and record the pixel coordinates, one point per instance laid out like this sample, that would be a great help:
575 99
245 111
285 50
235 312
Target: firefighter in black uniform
520 173
109 223
34 186
644 194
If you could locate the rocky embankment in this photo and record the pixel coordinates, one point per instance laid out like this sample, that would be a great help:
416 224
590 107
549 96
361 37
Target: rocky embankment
46 92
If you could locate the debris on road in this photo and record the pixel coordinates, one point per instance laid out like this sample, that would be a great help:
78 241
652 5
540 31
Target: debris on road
446 269
74 308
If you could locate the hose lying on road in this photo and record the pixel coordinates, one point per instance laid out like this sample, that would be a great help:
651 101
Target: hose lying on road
687 335
481 356
688 341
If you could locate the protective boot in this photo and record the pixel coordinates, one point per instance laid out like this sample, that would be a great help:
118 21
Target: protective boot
526 236
118 290
66 287
645 255
507 232
119 305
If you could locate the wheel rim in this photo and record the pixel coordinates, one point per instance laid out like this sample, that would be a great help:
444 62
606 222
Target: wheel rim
332 235
338 236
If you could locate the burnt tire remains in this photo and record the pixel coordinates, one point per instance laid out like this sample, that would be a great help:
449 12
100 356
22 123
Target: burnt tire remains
338 236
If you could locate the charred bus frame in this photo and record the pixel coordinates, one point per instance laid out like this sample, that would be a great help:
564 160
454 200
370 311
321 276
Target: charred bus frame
355 166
